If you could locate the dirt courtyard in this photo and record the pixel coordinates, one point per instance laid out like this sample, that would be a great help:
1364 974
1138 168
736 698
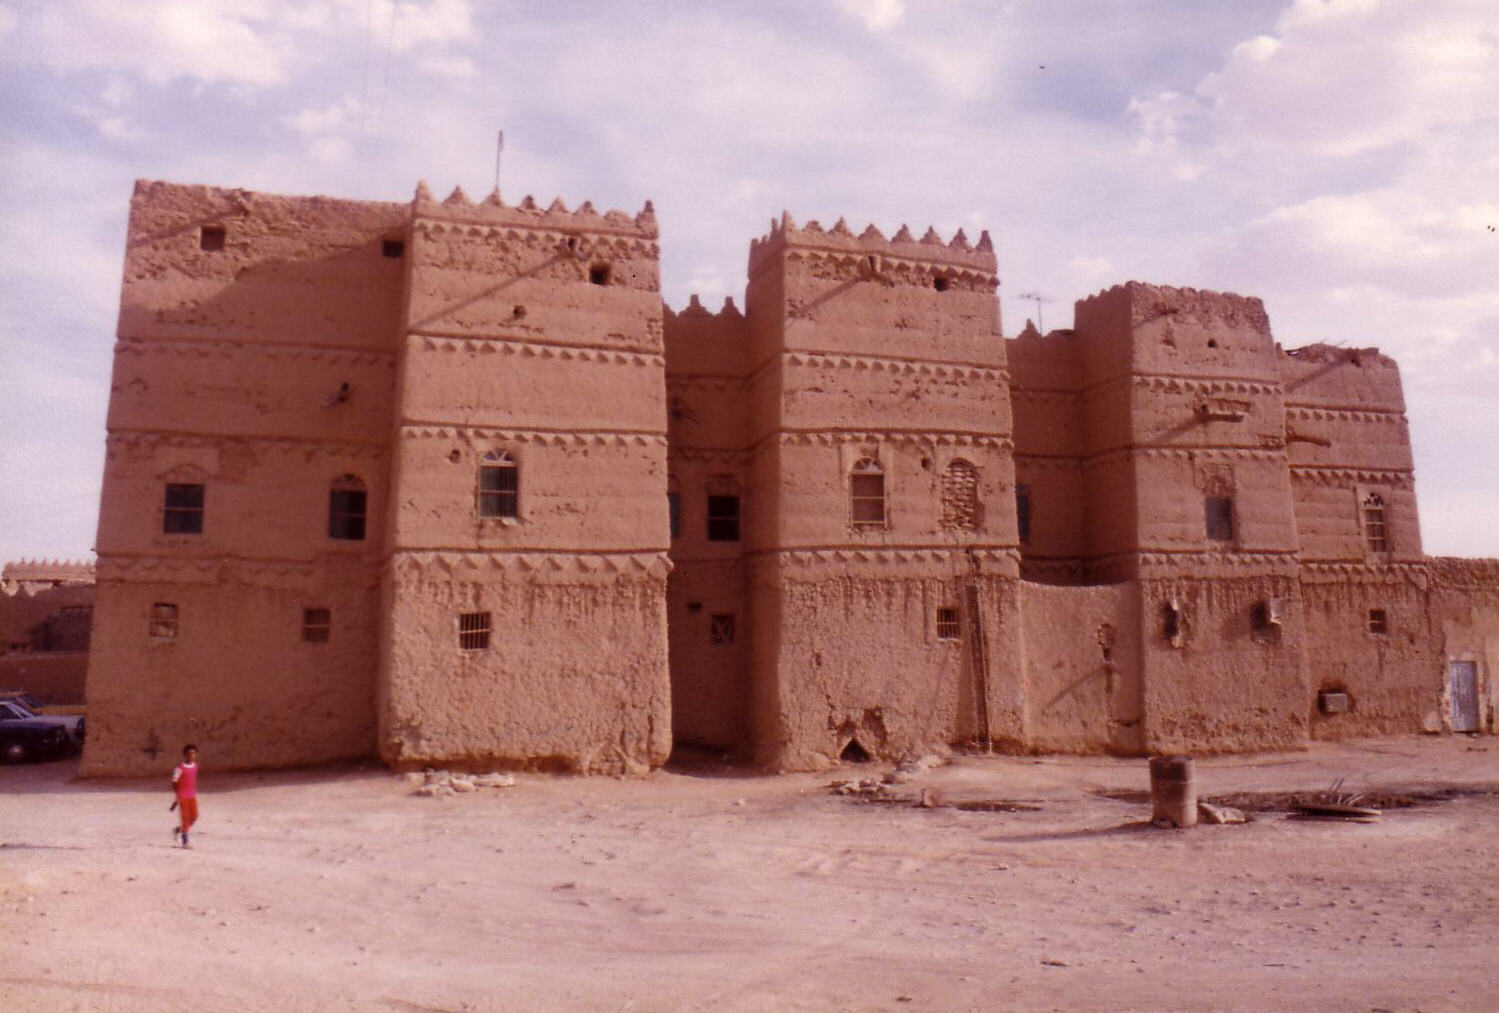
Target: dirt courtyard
701 888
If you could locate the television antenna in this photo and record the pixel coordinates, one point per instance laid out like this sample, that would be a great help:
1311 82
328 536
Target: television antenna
1039 299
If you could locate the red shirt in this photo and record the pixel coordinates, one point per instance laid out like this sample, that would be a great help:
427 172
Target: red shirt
185 777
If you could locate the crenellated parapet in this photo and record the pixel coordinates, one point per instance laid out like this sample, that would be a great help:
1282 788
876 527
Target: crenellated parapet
29 573
592 233
899 259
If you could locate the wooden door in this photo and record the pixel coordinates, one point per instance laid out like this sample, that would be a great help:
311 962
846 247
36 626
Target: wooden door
1462 690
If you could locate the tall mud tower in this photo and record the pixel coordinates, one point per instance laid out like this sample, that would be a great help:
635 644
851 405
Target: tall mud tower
882 538
524 594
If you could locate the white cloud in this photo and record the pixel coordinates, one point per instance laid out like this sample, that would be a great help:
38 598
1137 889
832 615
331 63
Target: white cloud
7 20
877 15
456 67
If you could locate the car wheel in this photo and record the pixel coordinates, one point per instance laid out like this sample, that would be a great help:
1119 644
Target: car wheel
15 752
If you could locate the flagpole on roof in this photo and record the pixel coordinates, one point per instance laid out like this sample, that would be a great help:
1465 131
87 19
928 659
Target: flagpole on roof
499 149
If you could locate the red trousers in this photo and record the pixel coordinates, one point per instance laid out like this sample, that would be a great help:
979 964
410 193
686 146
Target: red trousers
189 810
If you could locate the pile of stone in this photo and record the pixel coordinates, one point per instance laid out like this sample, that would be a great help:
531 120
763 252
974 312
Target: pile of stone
441 783
869 787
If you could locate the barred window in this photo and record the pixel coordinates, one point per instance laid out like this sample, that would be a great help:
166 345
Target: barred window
947 624
723 518
316 625
347 500
499 485
473 631
721 629
1376 535
866 492
1379 621
183 513
163 621
1023 511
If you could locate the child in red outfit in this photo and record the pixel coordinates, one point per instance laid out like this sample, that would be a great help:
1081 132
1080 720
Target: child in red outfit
185 784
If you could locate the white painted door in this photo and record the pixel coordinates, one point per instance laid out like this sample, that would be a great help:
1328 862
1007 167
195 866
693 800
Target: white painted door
1462 690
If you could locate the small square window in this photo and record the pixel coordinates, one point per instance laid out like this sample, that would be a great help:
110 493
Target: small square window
164 621
598 274
1379 621
316 625
347 502
473 631
183 514
393 248
947 624
723 518
211 238
499 485
721 629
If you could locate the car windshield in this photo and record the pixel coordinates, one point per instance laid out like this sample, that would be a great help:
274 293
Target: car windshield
13 710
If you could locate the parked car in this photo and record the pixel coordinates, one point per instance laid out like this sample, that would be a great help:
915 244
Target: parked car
33 739
12 709
32 704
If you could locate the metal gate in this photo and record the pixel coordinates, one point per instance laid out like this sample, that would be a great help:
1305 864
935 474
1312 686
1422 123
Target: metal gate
1462 690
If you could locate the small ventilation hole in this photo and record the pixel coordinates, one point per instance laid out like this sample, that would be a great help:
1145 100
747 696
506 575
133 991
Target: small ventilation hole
854 753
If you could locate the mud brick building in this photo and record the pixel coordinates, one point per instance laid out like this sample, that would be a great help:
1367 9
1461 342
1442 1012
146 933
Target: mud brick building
445 482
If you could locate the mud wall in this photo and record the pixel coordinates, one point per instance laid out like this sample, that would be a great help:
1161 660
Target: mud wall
1081 677
53 677
1465 624
254 360
234 673
1219 679
1390 669
533 337
573 677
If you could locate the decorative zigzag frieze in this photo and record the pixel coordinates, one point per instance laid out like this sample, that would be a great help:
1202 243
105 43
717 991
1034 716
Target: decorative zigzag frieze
1398 478
1042 462
837 265
1189 385
150 440
458 565
229 348
1345 572
835 438
715 383
286 573
594 240
500 345
907 367
549 437
708 455
1067 397
1005 560
1218 561
1300 413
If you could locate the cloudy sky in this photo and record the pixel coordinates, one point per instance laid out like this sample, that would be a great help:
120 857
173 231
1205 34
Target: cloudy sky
1338 158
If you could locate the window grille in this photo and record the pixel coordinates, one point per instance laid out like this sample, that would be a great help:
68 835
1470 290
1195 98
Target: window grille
347 501
723 518
866 491
721 629
183 514
1376 534
1219 511
473 631
1379 621
163 621
947 624
316 625
499 485
1023 511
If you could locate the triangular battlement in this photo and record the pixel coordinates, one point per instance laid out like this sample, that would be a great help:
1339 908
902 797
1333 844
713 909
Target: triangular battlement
493 210
958 253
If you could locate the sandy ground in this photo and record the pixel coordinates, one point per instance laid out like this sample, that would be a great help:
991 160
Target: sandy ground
337 889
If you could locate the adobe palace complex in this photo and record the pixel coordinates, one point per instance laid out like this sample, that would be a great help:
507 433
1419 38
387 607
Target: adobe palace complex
445 483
